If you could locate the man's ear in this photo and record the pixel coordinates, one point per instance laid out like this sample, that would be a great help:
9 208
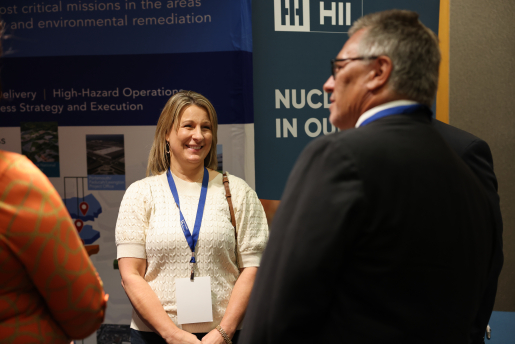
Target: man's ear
381 70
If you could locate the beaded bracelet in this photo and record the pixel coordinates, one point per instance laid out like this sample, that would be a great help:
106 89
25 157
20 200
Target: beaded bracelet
222 332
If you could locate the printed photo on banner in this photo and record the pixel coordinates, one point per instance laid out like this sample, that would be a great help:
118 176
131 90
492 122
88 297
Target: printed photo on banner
82 208
106 162
40 143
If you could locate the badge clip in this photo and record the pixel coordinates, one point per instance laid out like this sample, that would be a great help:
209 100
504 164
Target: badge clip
192 276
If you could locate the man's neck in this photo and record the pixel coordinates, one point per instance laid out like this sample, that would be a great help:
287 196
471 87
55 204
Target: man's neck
379 99
373 111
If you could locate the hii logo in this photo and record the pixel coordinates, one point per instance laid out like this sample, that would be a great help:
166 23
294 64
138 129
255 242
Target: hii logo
315 15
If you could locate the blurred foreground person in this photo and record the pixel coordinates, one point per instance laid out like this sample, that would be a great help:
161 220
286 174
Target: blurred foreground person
384 235
50 291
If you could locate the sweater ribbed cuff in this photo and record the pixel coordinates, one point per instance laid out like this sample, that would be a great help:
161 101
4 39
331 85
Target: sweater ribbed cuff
248 260
131 251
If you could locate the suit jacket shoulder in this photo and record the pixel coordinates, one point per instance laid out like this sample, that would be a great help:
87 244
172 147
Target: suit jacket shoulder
460 140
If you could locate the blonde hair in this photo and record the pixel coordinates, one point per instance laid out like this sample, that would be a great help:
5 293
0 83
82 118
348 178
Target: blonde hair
158 159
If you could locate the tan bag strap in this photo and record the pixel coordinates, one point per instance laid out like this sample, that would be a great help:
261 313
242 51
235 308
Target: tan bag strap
228 196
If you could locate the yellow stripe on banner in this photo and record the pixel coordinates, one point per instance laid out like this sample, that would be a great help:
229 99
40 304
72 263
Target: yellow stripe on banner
442 96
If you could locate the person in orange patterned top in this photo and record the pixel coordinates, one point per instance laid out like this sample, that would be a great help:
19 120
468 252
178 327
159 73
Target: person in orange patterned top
49 290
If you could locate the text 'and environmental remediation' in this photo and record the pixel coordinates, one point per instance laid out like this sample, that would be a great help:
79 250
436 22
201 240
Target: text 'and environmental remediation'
44 15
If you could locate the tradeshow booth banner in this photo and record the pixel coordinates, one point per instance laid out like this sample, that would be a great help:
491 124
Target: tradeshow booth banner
84 83
294 41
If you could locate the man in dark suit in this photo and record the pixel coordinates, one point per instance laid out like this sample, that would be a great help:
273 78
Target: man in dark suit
476 154
384 235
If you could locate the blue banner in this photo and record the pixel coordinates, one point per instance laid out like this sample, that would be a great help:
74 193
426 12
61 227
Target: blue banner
123 89
113 27
294 40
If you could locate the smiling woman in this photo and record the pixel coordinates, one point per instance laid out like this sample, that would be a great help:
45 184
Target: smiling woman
155 244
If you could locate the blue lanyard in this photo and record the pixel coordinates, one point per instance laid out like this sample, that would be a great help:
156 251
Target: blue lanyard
398 110
191 238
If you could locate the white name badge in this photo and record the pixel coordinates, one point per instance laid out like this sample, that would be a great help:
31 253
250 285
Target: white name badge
194 304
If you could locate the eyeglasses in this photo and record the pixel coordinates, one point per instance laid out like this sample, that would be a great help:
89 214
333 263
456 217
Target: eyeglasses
336 68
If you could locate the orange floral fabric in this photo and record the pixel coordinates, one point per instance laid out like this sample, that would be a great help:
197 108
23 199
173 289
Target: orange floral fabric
49 290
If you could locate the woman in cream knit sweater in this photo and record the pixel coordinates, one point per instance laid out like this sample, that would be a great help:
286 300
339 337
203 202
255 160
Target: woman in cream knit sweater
153 251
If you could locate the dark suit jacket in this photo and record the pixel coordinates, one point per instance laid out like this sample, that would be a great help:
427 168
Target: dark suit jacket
476 154
383 235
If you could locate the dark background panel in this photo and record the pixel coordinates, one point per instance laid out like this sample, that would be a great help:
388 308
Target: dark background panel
482 66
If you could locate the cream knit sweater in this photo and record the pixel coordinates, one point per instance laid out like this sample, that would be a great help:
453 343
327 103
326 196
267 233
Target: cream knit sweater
148 227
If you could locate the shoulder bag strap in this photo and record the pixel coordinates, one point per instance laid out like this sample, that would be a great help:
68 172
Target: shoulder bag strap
228 196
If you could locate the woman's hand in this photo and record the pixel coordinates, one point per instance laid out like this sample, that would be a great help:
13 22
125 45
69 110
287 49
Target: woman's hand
182 337
147 304
213 337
